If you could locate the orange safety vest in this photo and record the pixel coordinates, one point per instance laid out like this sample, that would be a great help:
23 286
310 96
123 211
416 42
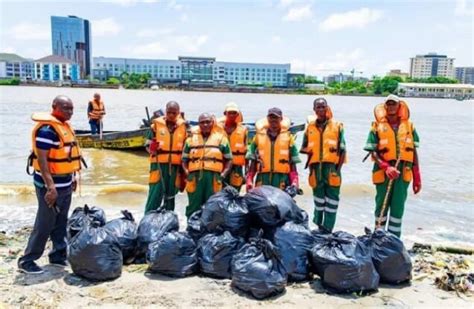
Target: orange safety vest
237 140
171 145
390 143
323 145
262 124
205 155
280 161
97 110
66 159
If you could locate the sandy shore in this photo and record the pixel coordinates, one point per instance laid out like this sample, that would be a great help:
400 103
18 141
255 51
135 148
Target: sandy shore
59 287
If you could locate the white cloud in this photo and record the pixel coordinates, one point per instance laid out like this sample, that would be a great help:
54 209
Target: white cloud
190 44
276 39
184 17
29 31
8 50
396 65
105 27
149 49
299 13
464 8
227 47
285 3
128 2
152 33
341 62
175 6
351 19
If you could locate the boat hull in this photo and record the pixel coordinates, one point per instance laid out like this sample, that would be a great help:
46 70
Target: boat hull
121 140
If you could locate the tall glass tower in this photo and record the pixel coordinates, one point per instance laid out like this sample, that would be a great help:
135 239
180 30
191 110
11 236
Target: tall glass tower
71 39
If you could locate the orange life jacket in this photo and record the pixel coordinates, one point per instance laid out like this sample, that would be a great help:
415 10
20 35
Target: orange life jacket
323 145
66 159
262 124
280 149
392 144
171 145
97 110
237 140
205 155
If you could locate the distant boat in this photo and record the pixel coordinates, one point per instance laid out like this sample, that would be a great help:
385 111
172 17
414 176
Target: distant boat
135 139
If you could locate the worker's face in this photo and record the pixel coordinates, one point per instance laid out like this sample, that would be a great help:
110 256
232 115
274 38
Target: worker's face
320 109
274 121
392 107
231 116
205 124
63 111
172 113
97 97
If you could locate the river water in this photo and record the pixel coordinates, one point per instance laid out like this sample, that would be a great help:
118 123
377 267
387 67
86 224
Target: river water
443 211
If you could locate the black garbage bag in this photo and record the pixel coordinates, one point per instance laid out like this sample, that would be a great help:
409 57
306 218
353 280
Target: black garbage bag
293 243
267 233
94 253
125 229
154 225
226 211
270 207
76 221
390 258
195 226
257 269
215 253
344 264
173 255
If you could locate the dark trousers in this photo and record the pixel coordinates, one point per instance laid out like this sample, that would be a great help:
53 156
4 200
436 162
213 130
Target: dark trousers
49 224
95 126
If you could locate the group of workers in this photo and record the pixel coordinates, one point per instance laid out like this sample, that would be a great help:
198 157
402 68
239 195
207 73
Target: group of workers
216 153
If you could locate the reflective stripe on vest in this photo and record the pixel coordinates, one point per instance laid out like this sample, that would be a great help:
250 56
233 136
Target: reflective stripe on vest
171 145
387 146
329 142
66 159
280 162
97 109
205 155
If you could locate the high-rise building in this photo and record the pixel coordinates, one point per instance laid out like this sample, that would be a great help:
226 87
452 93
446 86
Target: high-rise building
465 75
71 39
430 65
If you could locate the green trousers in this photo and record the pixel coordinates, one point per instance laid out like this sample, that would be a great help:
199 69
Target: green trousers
162 186
235 177
396 200
200 186
326 183
277 180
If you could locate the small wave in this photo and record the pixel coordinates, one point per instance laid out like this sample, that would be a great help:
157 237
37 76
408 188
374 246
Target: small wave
16 190
85 190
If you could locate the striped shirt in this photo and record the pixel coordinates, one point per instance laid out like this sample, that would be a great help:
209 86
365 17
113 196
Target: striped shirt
46 139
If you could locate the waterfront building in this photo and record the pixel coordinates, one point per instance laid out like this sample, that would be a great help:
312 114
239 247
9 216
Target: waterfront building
465 75
55 68
12 65
71 39
398 73
430 65
337 78
464 91
195 71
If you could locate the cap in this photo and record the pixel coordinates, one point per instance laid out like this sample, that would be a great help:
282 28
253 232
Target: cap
275 111
232 107
392 97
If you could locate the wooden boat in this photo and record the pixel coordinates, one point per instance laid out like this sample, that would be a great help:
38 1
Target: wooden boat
135 140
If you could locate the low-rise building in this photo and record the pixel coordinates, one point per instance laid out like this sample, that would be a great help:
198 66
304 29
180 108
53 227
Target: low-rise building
465 75
398 73
12 65
464 91
55 68
196 70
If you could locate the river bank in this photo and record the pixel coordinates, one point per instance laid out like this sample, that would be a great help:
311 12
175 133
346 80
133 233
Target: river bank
59 287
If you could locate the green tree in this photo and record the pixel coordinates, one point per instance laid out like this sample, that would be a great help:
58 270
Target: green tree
113 81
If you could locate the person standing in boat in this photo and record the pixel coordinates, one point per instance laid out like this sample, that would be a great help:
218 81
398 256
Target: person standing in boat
95 113
392 142
207 160
236 133
165 144
325 146
273 155
55 158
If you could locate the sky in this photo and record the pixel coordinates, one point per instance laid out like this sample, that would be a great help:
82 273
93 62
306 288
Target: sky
317 37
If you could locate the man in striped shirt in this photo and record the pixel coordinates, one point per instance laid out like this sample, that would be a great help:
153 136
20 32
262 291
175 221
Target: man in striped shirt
56 157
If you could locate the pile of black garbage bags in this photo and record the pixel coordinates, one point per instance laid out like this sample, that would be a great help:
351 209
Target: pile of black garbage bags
261 241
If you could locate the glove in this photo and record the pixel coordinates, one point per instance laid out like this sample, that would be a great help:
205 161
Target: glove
154 146
249 181
391 172
416 179
294 180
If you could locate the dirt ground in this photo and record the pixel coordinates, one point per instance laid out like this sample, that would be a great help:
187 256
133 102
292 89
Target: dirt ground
59 287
